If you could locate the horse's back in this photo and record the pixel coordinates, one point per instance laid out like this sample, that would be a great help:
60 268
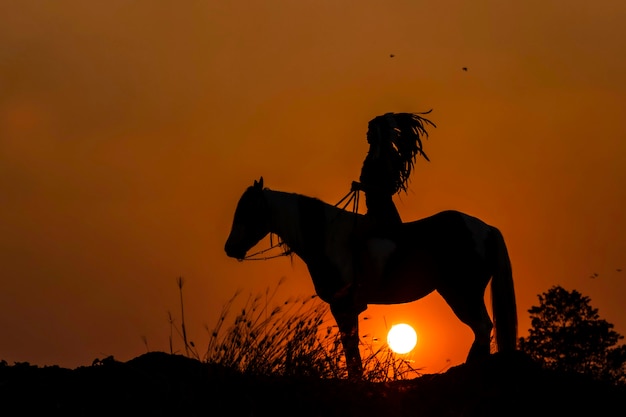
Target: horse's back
446 242
445 227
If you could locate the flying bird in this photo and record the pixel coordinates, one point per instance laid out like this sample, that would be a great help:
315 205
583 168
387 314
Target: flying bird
464 69
391 55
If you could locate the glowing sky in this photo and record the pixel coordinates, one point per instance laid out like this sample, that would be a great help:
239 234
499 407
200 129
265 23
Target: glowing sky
128 131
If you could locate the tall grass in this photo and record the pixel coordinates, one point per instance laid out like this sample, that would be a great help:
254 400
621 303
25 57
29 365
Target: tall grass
296 337
279 340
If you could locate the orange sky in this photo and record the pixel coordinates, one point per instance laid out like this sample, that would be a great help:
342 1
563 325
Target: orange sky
128 131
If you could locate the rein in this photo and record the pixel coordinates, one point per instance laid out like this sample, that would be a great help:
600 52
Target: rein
254 256
352 196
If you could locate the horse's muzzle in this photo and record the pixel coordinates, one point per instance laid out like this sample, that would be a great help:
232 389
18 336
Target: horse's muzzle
233 252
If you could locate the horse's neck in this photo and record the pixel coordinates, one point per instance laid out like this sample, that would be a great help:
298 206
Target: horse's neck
285 217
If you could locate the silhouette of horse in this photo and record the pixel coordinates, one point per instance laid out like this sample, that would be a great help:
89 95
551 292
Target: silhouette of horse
450 252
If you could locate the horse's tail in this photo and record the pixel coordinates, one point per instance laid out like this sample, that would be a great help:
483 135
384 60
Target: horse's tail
503 295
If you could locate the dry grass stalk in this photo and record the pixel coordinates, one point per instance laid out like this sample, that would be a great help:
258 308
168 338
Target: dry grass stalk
296 337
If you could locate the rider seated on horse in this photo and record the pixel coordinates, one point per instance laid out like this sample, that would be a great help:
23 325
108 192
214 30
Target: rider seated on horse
394 143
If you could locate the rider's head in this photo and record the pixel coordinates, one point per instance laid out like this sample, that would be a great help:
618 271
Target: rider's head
381 130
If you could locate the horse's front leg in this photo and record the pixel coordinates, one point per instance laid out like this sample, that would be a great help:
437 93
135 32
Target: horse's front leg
347 319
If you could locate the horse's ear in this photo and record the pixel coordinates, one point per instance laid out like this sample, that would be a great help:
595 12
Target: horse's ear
259 183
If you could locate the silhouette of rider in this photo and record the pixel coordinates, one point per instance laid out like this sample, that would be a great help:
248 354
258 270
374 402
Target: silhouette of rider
394 143
380 176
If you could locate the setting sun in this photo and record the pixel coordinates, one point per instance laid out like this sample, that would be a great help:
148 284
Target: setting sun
401 338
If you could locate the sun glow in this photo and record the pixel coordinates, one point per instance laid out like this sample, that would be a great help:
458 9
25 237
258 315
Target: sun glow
401 338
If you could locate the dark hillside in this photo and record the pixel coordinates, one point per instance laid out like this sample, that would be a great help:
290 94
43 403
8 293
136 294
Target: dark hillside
159 384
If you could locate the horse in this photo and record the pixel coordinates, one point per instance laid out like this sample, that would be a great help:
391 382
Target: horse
450 252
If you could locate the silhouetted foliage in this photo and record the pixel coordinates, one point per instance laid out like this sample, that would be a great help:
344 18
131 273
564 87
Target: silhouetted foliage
290 339
568 335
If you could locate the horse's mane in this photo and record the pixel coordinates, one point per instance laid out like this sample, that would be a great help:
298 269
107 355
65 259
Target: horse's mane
306 225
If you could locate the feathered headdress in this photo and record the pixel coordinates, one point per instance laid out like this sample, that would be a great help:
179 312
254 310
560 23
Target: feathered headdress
405 134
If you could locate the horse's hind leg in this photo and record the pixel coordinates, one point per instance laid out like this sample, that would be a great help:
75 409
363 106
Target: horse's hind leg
348 322
470 308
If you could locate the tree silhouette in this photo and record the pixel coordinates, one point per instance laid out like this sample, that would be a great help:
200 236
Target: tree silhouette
567 334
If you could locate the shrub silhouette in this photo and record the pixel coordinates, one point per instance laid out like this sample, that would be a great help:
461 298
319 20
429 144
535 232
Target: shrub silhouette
568 335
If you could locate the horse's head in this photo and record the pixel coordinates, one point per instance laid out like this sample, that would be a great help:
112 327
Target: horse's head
251 222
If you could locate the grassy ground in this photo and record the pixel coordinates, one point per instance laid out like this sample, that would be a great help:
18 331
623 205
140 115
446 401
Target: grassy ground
285 359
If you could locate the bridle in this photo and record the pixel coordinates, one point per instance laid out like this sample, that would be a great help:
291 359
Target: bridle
256 256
